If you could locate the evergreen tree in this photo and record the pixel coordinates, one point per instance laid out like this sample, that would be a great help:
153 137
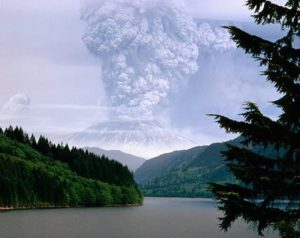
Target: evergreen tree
43 145
32 141
40 177
266 181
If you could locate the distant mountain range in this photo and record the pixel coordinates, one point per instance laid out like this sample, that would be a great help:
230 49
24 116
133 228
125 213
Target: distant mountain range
186 172
131 161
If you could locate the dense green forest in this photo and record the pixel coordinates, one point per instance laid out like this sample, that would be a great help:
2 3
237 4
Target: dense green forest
184 173
38 173
187 173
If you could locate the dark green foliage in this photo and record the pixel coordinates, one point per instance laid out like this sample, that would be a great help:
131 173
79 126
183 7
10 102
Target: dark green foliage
185 173
84 163
161 165
187 182
34 177
267 179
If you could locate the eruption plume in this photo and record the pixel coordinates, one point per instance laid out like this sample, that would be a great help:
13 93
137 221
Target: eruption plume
148 50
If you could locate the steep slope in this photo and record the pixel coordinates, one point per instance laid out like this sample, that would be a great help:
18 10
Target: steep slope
165 163
41 174
131 161
190 176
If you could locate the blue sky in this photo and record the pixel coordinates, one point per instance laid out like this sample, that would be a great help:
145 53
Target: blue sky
43 56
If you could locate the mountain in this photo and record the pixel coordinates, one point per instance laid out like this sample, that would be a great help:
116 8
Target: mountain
131 161
185 173
145 138
165 163
42 174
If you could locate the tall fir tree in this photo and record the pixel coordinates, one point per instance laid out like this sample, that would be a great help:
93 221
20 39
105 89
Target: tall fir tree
268 192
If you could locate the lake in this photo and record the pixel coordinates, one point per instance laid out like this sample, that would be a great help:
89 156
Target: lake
159 217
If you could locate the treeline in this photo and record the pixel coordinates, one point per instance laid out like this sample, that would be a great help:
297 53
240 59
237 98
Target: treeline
38 173
82 162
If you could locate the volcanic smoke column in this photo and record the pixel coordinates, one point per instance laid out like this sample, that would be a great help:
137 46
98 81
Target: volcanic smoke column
147 48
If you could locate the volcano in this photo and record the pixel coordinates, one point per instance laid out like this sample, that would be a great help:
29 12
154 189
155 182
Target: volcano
146 138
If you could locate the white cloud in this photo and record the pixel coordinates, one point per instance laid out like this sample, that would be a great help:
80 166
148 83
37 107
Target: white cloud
18 103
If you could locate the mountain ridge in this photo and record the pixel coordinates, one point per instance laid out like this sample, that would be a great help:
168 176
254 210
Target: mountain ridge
188 175
157 166
131 161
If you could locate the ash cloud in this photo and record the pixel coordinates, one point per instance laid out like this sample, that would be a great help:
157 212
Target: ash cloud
148 49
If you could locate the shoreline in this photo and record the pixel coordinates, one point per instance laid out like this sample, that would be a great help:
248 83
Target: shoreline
7 208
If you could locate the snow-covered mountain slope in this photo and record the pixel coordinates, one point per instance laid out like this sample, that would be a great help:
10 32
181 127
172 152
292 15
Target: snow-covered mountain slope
145 138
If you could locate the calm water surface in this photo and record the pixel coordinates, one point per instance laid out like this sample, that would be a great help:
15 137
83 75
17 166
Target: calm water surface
159 217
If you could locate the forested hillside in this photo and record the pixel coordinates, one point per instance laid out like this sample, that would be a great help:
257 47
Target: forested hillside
185 173
162 164
38 173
